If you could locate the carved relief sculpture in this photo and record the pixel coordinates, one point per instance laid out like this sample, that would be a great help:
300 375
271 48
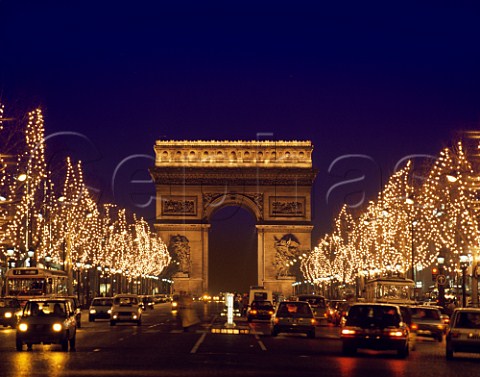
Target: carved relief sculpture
287 206
180 249
286 250
179 206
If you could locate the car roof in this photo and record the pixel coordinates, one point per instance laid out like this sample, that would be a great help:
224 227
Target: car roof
51 299
373 304
125 295
425 307
471 310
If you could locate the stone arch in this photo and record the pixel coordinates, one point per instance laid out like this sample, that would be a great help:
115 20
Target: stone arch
201 177
233 199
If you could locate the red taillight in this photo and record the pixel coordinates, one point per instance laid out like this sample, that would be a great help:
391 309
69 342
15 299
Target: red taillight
396 333
348 332
454 334
270 312
275 320
253 312
414 327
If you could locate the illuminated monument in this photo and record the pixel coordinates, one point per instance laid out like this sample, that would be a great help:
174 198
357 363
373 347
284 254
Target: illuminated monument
271 179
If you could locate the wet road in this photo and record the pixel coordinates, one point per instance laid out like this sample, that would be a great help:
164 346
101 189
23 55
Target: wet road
160 348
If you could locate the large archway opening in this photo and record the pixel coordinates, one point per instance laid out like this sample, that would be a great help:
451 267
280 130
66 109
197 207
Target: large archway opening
232 259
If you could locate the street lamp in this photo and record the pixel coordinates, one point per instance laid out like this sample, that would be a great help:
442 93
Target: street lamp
464 265
31 260
10 261
441 284
48 260
79 277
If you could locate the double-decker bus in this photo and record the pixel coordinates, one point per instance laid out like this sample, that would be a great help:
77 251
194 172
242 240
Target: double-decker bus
390 290
31 282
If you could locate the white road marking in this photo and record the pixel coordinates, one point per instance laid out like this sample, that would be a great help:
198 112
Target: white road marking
199 341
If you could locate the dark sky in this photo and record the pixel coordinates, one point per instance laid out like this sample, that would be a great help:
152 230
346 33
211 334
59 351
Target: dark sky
385 80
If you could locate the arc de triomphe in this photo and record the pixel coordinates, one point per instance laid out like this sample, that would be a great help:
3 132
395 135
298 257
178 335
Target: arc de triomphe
271 179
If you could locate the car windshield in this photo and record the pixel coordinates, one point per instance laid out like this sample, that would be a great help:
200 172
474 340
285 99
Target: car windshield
294 309
373 315
261 305
125 301
421 313
102 302
44 308
468 320
315 301
8 303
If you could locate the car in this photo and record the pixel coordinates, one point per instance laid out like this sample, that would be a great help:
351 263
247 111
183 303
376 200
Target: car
175 299
10 311
406 311
260 310
293 317
463 333
428 322
336 310
77 307
161 298
100 308
126 308
318 305
146 302
375 326
47 321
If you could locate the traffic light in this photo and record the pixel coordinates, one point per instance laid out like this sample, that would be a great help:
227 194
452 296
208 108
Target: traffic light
434 273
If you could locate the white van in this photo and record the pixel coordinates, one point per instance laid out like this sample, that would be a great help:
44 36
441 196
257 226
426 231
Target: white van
259 294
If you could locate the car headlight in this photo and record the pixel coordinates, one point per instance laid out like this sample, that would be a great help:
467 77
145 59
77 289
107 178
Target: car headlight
109 311
115 316
92 311
8 315
23 327
174 304
57 327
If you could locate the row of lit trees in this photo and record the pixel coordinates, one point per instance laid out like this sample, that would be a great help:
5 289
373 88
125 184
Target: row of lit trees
415 218
58 220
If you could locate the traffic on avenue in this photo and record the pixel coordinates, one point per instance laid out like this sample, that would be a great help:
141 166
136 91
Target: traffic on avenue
160 346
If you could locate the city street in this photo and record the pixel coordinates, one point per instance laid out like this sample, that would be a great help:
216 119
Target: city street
160 348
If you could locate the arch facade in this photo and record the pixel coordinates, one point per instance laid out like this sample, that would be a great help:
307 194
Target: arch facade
272 180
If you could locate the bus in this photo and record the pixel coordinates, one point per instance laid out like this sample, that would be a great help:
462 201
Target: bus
31 282
390 290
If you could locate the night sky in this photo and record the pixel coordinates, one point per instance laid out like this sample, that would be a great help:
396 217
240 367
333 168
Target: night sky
381 80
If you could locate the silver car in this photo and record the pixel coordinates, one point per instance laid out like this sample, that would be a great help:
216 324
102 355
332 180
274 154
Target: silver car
463 334
126 308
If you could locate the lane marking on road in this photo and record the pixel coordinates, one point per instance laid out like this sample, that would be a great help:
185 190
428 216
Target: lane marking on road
257 337
199 341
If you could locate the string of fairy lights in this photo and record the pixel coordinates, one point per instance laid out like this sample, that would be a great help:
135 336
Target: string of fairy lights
407 227
63 226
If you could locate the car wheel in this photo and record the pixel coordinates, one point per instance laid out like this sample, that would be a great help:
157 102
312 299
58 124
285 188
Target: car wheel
274 332
91 319
440 338
72 342
79 324
311 334
112 323
19 345
449 352
249 319
64 344
403 352
139 322
349 350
